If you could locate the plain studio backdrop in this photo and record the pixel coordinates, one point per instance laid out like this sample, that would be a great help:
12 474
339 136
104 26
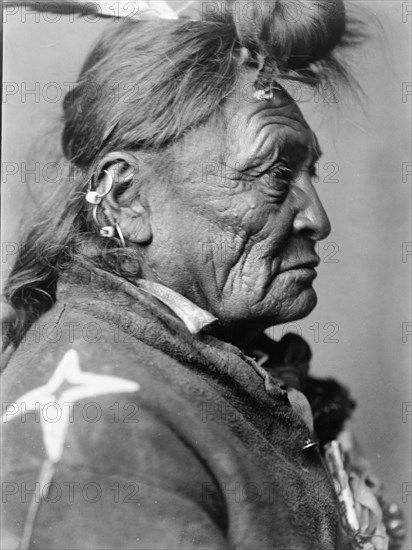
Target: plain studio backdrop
361 330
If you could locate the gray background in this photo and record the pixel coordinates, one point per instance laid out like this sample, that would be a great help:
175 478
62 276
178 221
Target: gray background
364 278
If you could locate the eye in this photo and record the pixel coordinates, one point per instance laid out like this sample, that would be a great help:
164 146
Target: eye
283 174
280 178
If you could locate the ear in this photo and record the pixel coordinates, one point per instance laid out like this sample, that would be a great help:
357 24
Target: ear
125 203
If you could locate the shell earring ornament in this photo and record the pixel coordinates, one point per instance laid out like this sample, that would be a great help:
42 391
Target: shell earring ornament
95 198
107 231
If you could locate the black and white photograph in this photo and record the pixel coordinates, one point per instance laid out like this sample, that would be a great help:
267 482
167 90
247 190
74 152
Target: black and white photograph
206 256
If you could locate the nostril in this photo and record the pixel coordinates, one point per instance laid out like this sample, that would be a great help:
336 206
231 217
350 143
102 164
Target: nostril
311 224
310 234
318 219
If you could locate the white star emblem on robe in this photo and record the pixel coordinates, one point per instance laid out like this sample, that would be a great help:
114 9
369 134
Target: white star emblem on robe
67 385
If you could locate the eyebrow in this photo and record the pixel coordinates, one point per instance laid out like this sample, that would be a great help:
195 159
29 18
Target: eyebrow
294 151
299 152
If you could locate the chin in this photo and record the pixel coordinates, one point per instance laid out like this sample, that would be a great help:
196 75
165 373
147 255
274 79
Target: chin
299 308
240 326
276 309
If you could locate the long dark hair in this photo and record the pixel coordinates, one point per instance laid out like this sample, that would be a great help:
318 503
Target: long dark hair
142 87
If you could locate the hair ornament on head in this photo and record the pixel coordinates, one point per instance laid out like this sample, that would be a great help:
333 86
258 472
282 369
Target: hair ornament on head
263 94
263 87
291 33
296 39
263 90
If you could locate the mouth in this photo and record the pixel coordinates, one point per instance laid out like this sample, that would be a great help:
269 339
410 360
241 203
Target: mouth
308 265
303 273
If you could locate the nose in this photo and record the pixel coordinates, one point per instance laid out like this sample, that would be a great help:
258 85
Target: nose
310 219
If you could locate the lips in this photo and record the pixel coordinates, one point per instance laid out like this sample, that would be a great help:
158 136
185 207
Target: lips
309 263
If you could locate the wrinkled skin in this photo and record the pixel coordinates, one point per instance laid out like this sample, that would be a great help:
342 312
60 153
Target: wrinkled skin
233 227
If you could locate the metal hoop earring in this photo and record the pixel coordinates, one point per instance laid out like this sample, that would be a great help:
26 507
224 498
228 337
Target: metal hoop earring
94 214
109 187
120 234
93 197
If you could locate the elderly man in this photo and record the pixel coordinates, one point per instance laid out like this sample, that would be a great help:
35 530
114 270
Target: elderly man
145 408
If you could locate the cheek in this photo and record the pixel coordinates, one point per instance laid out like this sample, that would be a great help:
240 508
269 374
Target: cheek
271 238
250 271
256 245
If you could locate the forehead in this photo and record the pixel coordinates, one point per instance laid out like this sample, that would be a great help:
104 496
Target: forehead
257 130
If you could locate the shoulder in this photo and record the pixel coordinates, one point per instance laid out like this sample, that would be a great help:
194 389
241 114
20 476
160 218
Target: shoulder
85 416
71 339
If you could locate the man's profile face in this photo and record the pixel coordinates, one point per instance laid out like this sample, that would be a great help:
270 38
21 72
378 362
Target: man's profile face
244 218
